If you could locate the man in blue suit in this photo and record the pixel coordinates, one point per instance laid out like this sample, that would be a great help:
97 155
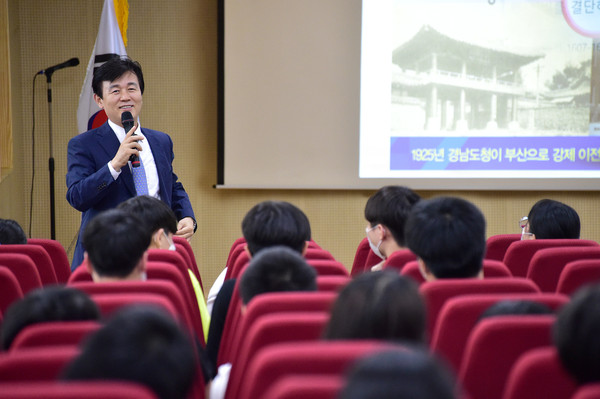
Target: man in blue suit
100 175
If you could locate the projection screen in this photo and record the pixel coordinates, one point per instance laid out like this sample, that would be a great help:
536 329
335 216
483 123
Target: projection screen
433 94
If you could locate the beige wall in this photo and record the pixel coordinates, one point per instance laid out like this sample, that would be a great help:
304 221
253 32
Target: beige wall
176 43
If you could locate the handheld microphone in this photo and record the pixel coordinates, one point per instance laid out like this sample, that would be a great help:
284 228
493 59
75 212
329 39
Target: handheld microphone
127 122
66 64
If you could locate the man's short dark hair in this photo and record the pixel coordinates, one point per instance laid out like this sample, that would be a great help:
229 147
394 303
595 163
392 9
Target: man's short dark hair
156 213
11 232
51 303
576 333
277 269
448 234
390 206
399 374
516 307
113 69
378 305
115 242
272 223
553 219
139 344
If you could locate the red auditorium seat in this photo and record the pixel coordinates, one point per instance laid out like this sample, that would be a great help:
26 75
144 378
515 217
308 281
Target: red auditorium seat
308 387
398 259
519 253
312 358
270 329
459 315
110 303
491 269
75 390
58 255
588 391
54 333
538 373
577 274
547 264
39 256
497 245
359 265
24 270
190 252
236 269
436 293
11 290
35 364
332 283
494 346
328 267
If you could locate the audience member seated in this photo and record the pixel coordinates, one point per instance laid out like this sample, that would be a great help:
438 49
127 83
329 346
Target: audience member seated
267 224
401 374
576 333
116 243
549 219
386 212
53 303
162 223
516 307
11 232
142 345
275 269
448 236
379 305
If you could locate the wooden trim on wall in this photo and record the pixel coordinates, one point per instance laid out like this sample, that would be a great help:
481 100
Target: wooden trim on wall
6 141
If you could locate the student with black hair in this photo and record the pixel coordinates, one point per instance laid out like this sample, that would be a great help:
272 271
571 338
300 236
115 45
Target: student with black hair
406 373
386 212
576 333
448 236
11 233
51 303
380 305
550 219
143 345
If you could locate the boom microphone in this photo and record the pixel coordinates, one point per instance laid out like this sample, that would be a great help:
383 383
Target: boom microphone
66 64
127 122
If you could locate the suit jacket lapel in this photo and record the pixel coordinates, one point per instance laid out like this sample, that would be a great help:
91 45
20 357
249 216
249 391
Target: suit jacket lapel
107 140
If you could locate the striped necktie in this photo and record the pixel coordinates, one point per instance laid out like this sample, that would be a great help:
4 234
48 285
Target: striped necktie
139 179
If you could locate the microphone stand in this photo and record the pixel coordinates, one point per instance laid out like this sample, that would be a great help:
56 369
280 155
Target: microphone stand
51 159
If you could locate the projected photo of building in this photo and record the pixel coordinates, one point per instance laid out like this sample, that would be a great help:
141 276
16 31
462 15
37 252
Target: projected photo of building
442 84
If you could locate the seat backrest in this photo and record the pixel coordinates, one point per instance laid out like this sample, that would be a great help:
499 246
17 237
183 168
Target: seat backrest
110 303
190 252
328 267
164 288
460 314
332 283
278 302
398 259
58 255
317 253
11 290
23 268
547 264
538 373
232 258
497 245
578 273
236 269
360 257
74 390
80 274
306 387
36 364
436 293
491 269
273 329
39 256
303 358
54 333
588 391
519 253
494 346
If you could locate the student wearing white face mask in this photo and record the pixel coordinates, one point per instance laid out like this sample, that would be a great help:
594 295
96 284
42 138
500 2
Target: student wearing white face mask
162 224
386 213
